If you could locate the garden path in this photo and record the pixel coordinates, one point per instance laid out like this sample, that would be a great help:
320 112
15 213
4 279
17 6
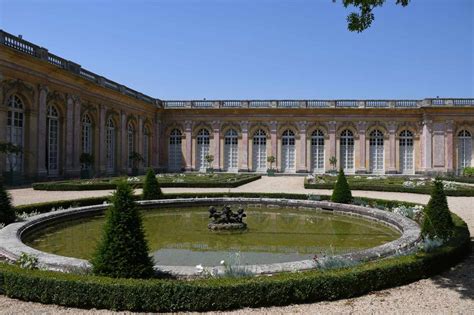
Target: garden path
451 292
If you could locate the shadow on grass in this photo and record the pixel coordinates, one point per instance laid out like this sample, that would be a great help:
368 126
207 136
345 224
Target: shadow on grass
459 278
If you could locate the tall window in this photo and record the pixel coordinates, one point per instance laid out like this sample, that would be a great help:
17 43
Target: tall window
131 143
86 134
231 151
146 146
110 145
317 151
347 151
464 149
406 152
15 131
202 149
376 152
288 151
259 151
53 141
175 150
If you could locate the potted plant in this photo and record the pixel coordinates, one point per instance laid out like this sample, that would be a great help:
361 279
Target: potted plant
209 159
12 152
136 158
271 171
333 162
86 160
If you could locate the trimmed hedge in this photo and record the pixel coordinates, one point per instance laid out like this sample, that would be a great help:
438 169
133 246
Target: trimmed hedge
230 293
464 192
77 186
47 206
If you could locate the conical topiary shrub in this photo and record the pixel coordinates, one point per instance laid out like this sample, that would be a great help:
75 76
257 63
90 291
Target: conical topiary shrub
342 192
437 221
123 250
151 188
7 213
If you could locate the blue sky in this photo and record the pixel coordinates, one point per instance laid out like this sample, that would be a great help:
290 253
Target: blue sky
258 49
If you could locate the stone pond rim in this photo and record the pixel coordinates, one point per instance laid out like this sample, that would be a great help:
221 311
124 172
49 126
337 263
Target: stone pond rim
11 245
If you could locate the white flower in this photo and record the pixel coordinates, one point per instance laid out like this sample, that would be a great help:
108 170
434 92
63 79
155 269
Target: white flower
199 268
222 262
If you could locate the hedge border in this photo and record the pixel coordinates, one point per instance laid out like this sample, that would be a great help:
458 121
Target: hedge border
71 186
416 190
85 291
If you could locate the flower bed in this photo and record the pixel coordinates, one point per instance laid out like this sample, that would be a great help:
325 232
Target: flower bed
191 180
417 185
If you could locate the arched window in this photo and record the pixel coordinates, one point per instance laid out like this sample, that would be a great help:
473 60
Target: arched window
288 151
317 151
464 149
376 152
52 152
175 150
406 152
347 151
15 132
202 149
86 134
146 147
131 144
110 145
259 151
231 151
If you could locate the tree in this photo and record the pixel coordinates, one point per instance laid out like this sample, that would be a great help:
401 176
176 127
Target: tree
151 188
7 213
341 193
333 162
358 22
437 221
271 159
123 250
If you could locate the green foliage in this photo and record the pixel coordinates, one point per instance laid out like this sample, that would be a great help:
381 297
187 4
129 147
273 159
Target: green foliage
468 171
271 159
358 22
87 159
27 261
438 221
123 250
333 162
155 295
7 212
342 192
151 188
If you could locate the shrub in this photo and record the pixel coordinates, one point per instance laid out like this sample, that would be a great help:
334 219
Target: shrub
7 213
342 192
437 221
468 171
123 250
27 261
151 188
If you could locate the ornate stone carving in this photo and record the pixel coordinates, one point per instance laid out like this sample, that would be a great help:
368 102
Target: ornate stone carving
17 86
55 97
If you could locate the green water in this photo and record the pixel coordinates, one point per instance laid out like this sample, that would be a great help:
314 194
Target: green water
181 237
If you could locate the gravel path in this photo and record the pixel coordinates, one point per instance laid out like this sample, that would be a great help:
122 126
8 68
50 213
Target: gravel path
449 293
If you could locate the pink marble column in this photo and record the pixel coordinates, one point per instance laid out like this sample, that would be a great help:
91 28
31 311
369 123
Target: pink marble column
41 154
449 146
427 145
123 143
188 131
361 129
139 139
102 146
392 167
244 155
303 168
77 136
332 144
216 127
69 135
273 141
155 159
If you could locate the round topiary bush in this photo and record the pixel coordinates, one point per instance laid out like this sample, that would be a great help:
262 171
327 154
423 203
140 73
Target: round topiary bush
123 250
437 222
341 193
151 188
7 213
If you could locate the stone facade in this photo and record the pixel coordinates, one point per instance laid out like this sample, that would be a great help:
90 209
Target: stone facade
56 110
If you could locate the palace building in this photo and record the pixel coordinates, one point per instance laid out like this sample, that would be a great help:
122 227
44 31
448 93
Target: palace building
56 111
